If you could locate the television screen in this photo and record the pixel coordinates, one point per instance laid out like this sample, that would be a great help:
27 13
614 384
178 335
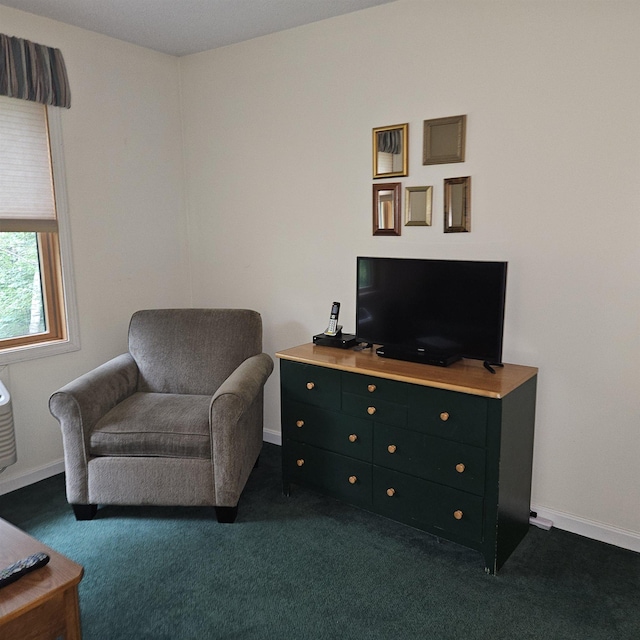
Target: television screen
433 311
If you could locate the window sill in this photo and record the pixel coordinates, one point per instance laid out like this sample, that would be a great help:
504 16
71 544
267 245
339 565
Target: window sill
43 350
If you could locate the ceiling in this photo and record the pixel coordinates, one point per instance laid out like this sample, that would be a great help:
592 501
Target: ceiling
183 27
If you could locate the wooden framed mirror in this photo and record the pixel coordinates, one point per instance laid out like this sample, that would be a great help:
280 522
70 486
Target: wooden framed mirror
417 206
444 140
390 151
386 209
457 205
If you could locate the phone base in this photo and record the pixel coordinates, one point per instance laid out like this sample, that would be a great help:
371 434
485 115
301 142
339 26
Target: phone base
335 334
341 341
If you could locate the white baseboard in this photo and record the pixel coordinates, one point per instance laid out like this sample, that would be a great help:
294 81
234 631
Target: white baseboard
274 437
591 529
54 468
565 521
31 477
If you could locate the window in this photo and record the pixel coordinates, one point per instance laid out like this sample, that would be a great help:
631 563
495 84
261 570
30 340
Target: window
34 301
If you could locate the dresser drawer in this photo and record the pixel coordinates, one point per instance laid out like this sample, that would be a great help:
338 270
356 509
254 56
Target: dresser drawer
374 409
314 385
448 414
427 505
328 430
451 463
375 388
339 476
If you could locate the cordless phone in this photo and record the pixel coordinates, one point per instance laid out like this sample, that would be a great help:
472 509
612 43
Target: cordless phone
334 328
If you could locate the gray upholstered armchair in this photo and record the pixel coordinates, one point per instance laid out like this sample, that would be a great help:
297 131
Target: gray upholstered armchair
175 421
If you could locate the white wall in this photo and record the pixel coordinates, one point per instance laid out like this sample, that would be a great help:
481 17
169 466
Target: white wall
278 177
123 157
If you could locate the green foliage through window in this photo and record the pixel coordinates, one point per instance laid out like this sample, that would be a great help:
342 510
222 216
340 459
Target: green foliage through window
21 304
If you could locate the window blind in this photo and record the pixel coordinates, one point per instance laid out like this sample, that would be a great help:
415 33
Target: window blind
27 198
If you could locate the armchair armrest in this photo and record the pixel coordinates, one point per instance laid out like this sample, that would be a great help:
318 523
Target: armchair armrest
239 390
79 405
236 426
91 395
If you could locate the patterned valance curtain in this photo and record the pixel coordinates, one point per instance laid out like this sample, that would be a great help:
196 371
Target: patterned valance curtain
390 141
33 72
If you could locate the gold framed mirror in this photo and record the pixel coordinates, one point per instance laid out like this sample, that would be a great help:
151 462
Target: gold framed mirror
390 151
457 205
444 140
386 209
417 206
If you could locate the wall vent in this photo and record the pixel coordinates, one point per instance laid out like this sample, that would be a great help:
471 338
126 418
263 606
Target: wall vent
8 453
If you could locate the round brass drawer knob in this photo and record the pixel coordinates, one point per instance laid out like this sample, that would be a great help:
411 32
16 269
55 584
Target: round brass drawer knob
392 448
371 410
391 492
353 437
311 385
457 514
444 416
299 423
371 388
460 467
353 479
299 462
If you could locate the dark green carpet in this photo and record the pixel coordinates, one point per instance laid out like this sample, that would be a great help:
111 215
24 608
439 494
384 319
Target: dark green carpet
307 567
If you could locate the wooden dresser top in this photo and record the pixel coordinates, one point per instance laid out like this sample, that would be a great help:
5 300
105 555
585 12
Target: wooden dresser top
465 376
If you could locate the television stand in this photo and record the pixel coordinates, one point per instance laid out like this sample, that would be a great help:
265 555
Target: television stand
489 366
422 356
445 450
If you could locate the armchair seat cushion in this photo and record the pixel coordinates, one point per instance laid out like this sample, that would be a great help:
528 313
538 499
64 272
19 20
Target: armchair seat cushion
166 425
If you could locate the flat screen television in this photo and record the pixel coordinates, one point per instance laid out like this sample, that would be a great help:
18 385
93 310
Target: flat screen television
432 311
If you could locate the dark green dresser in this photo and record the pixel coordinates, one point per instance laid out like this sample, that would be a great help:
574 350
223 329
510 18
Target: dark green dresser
446 450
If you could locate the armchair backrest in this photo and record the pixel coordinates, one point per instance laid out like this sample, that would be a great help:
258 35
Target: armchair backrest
192 350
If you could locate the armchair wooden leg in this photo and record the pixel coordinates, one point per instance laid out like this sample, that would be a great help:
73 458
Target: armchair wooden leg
227 514
84 511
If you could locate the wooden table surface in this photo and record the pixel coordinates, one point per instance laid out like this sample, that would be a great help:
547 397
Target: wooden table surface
53 582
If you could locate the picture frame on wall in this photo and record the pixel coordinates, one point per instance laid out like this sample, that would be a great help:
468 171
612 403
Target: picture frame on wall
417 206
391 151
444 140
457 205
386 209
